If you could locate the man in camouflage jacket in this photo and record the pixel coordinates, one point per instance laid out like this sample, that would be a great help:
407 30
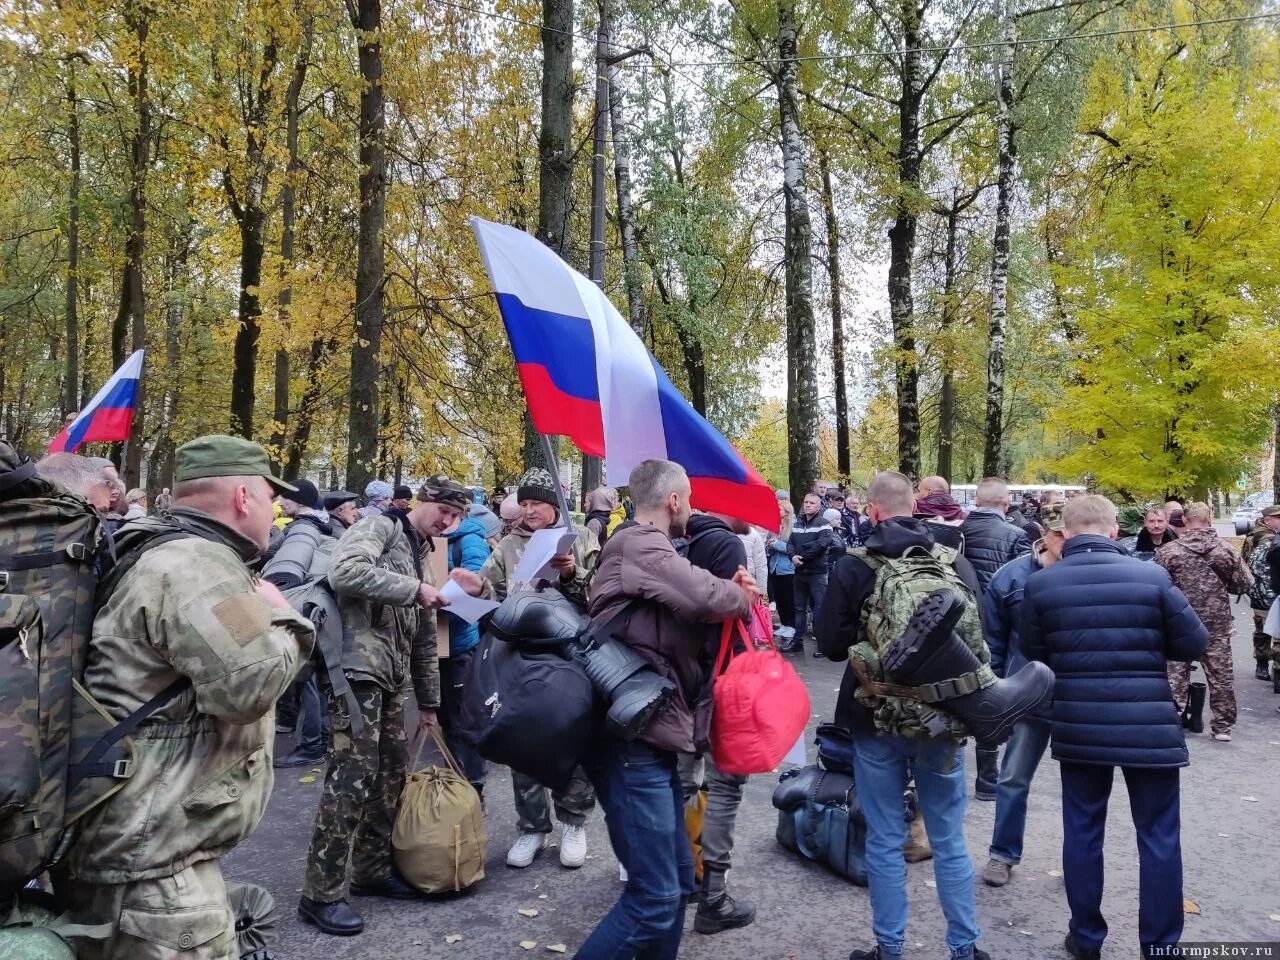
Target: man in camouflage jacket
145 863
1207 571
380 573
539 508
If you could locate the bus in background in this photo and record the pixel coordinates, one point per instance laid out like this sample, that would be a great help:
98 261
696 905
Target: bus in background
963 492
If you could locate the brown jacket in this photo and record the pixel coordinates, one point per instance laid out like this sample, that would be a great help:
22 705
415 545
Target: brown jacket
1207 571
640 563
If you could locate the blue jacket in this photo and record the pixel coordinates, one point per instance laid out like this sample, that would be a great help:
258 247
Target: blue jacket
1107 625
991 541
469 550
1000 605
780 564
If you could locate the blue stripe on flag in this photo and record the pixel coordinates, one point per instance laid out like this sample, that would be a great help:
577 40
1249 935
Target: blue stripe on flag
691 441
563 346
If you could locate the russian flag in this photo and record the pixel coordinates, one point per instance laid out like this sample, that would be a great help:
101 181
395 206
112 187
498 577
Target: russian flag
109 415
587 376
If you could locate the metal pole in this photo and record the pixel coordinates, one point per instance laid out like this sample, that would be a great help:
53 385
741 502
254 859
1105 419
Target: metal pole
553 466
600 127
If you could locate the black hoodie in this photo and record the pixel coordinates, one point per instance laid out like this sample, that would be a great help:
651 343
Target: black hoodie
849 588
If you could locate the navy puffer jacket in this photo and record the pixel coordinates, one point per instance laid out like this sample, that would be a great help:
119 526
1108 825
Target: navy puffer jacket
1107 625
990 541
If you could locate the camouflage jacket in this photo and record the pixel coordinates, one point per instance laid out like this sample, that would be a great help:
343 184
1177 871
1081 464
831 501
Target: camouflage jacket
1207 571
501 565
188 608
1257 538
375 576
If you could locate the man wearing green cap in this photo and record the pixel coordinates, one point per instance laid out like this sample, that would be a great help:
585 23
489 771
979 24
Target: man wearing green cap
186 621
380 574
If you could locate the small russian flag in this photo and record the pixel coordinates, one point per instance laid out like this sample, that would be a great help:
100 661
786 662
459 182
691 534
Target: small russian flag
587 376
109 415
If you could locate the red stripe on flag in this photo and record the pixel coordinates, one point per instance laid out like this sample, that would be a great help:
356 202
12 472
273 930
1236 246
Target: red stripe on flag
555 412
753 502
109 424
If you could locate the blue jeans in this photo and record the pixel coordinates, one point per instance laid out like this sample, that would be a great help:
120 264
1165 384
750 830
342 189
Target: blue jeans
639 789
1021 757
1154 804
810 590
882 765
313 720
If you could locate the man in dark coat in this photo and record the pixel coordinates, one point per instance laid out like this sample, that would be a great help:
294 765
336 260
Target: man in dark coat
990 540
1108 625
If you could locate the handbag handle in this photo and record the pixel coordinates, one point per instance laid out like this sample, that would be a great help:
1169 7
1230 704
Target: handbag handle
726 643
441 746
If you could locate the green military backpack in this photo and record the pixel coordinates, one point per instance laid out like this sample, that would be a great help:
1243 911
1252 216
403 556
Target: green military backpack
61 753
901 583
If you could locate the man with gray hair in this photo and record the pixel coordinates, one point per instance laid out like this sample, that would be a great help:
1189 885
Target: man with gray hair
80 475
638 780
1108 625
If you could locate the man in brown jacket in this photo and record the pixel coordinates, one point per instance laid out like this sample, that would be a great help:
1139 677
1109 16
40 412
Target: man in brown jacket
637 781
1207 571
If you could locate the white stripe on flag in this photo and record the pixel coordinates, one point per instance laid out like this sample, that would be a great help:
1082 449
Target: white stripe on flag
131 369
521 265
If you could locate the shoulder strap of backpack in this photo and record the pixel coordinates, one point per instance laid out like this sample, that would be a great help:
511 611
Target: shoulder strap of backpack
131 555
455 553
93 765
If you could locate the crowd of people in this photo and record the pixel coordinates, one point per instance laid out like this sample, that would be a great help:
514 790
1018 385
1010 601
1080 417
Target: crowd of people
215 613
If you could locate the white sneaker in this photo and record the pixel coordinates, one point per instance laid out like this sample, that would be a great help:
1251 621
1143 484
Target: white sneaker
524 850
622 873
1225 736
573 847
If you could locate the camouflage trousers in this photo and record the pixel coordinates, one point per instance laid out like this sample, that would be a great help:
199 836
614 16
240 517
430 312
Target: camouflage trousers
1264 647
573 804
1216 664
361 791
182 917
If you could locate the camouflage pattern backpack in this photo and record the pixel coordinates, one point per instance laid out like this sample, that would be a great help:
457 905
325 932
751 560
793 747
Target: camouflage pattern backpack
901 584
61 753
1261 596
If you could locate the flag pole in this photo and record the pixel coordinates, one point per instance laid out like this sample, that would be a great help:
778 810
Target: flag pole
554 467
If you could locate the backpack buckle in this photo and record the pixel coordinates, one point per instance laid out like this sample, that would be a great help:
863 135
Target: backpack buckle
122 770
78 552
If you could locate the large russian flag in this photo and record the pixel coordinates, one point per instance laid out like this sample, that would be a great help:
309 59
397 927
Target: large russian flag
109 415
587 376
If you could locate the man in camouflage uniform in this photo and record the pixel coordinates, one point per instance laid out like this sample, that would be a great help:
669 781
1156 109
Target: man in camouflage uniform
380 573
145 863
1207 571
539 510
1260 539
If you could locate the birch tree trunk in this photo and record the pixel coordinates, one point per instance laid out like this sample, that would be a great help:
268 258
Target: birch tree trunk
362 415
802 374
555 156
837 320
999 314
626 207
71 390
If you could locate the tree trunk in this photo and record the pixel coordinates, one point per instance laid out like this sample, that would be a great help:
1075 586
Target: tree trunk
288 216
321 349
162 474
947 396
837 320
1005 158
695 368
555 157
1275 452
802 372
71 391
591 465
626 208
902 247
362 439
135 244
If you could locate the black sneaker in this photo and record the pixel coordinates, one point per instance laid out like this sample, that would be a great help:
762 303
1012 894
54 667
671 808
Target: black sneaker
1079 952
872 954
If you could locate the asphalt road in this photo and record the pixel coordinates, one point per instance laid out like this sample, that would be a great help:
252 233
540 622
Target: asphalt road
1230 835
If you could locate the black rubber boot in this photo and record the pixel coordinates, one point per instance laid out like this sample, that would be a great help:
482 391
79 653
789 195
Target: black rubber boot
717 910
1193 716
336 919
1275 679
984 783
929 651
1262 671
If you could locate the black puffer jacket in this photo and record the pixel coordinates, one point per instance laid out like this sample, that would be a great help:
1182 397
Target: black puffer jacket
990 542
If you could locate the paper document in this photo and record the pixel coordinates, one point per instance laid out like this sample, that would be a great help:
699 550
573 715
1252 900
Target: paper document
463 605
796 754
535 562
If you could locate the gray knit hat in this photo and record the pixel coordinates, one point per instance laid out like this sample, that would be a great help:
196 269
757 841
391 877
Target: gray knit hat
537 484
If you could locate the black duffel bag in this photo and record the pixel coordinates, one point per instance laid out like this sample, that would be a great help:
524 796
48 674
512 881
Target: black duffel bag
819 818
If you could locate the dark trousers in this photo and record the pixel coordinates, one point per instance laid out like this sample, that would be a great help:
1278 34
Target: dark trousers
811 590
1153 799
782 592
453 676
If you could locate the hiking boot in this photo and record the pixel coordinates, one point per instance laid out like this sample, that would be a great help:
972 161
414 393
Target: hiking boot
1275 680
392 887
1079 952
526 849
917 846
336 919
1193 715
996 873
573 847
1262 671
722 912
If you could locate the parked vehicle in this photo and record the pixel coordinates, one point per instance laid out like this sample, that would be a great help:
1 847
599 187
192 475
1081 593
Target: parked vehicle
1250 510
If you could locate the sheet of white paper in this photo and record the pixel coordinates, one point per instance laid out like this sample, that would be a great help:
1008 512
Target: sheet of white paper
796 754
535 562
463 605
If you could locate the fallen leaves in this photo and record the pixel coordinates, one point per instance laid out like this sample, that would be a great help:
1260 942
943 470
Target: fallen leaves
1249 799
1275 917
1191 907
527 912
528 944
309 778
452 937
557 948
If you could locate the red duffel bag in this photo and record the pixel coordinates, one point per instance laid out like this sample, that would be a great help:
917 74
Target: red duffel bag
761 705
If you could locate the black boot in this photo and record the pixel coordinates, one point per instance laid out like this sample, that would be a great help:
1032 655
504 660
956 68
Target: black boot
984 783
1079 952
1275 679
717 910
1262 671
393 887
1193 716
336 919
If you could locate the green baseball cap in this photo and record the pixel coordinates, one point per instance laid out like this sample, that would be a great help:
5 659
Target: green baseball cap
218 455
1271 511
